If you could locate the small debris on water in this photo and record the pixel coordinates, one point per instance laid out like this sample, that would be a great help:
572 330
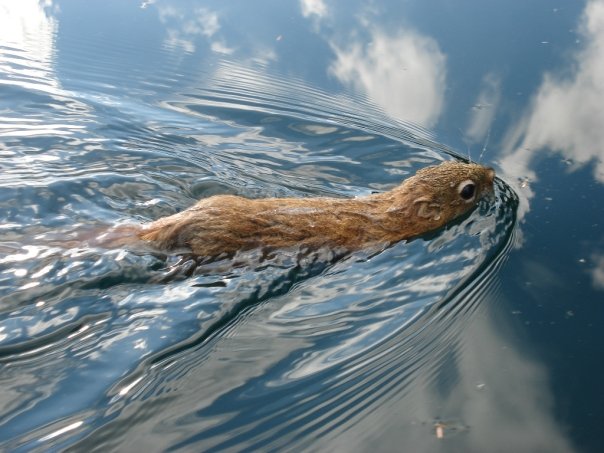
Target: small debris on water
440 430
449 427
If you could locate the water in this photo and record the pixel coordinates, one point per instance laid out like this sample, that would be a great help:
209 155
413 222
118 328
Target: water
481 337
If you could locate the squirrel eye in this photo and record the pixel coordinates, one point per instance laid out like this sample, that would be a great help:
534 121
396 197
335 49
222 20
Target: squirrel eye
467 190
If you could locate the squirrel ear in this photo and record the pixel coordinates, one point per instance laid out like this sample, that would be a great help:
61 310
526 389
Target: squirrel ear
427 209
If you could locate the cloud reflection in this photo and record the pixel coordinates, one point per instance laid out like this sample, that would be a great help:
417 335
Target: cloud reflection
403 73
497 378
566 115
486 391
597 273
316 8
183 28
483 110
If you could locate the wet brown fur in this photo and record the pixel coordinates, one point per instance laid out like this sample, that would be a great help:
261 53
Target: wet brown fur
224 224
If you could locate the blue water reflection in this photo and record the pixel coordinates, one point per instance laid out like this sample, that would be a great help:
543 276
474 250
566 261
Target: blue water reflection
479 336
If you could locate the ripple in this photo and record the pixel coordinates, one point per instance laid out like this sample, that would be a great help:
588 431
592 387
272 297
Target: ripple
242 88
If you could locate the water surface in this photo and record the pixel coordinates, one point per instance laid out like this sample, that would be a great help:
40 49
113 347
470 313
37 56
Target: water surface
484 333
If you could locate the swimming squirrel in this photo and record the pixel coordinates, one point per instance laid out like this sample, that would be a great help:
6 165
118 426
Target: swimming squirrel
222 225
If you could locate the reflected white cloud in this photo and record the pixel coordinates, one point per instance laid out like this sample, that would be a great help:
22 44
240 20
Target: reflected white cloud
597 273
184 27
566 115
221 47
483 110
316 8
486 391
498 379
403 73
